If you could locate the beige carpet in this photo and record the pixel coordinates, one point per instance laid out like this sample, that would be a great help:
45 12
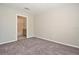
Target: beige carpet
36 46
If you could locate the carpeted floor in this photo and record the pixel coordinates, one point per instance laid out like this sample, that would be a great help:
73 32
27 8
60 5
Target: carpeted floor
36 46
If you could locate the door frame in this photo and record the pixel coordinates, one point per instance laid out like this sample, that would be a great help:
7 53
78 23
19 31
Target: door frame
17 25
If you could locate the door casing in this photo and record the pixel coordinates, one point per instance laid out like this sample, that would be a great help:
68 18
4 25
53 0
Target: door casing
17 24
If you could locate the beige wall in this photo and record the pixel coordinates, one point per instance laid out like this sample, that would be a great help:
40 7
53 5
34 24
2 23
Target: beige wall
8 24
60 24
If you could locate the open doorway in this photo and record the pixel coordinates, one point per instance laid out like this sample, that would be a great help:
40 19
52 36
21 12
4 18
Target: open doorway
21 27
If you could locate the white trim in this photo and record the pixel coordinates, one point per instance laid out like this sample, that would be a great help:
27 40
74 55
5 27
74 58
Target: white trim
59 42
7 42
26 23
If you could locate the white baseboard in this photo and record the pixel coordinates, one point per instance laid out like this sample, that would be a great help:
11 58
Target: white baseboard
59 42
44 39
29 36
7 42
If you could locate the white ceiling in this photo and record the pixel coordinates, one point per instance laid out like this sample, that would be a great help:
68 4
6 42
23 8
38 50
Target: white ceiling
35 8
